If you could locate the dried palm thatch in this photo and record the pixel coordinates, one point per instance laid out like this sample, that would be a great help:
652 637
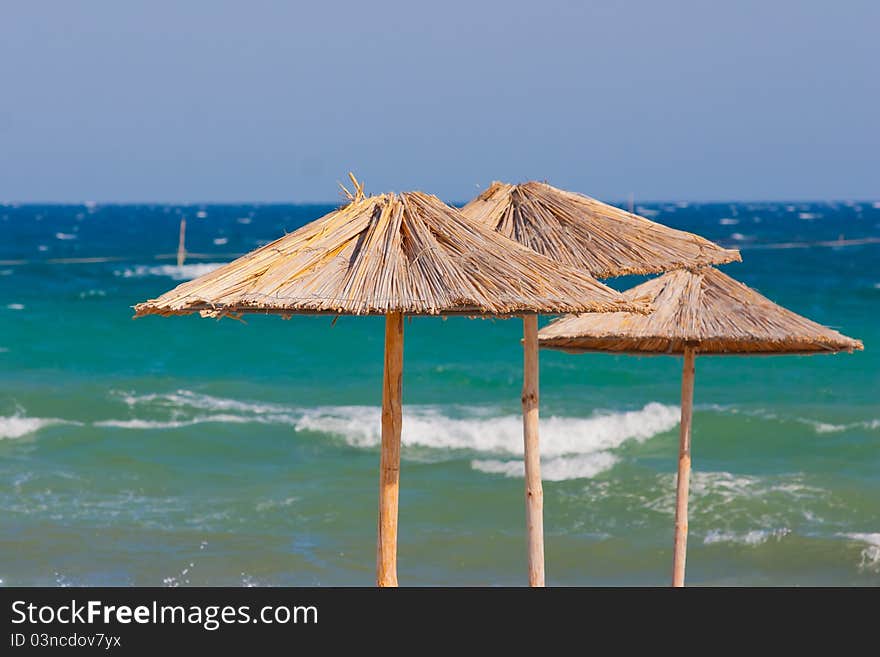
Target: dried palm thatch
393 253
588 234
704 309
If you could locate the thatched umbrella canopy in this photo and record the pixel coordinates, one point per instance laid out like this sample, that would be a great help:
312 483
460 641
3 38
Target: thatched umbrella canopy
391 255
697 312
588 235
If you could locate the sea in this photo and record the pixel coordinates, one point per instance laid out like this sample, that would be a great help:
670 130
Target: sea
185 451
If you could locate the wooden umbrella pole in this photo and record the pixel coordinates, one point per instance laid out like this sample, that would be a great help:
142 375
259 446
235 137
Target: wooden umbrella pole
684 469
389 464
534 490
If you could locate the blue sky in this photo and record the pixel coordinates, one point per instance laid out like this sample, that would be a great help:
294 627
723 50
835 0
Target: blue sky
276 101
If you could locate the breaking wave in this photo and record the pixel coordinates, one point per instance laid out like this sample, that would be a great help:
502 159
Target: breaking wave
16 426
571 447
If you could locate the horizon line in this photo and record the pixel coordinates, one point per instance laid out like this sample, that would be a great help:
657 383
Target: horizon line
621 202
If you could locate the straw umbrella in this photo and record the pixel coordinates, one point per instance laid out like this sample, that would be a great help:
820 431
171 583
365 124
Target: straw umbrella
589 235
696 312
390 255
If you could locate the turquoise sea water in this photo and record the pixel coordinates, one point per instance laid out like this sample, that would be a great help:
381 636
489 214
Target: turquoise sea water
186 451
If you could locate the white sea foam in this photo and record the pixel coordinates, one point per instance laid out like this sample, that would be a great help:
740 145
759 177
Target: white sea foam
137 423
722 494
728 221
248 581
826 427
65 236
728 486
870 555
818 426
186 399
870 539
15 306
16 426
182 273
275 504
753 537
562 468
